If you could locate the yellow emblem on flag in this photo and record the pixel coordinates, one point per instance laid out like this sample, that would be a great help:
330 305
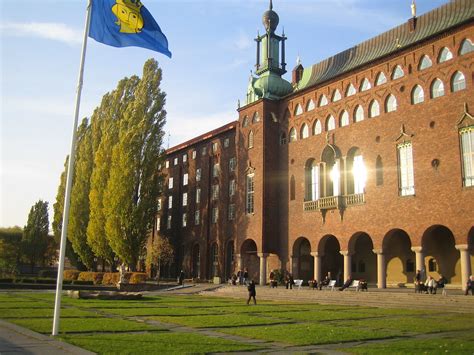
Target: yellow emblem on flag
128 14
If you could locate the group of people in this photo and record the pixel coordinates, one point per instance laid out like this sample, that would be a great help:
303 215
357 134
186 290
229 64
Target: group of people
241 278
430 285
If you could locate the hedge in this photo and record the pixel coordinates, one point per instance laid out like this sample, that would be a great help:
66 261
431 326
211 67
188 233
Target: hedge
71 275
111 278
95 277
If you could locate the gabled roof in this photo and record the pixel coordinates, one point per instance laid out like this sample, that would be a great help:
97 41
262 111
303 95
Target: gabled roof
453 14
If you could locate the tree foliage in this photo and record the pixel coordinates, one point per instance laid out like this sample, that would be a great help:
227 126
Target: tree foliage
160 253
10 250
35 235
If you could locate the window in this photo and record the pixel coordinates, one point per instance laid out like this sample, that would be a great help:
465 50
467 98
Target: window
310 105
168 223
198 195
214 147
231 213
359 113
432 265
185 219
323 100
351 90
167 164
444 55
312 181
215 192
405 169
335 175
215 215
380 79
250 194
437 88
330 123
292 188
232 187
298 110
193 154
397 73
466 47
344 120
282 138
390 104
170 202
185 179
365 85
245 121
197 217
292 135
250 140
215 170
232 164
425 62
458 82
317 128
417 95
256 117
198 174
226 143
158 208
204 151
410 265
374 109
359 173
185 198
175 161
467 152
185 158
304 131
336 96
158 223
170 183
379 171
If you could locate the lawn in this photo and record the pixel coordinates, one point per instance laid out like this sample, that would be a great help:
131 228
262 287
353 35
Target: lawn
204 325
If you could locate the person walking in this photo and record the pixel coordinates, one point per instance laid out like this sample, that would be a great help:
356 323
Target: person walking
470 286
252 292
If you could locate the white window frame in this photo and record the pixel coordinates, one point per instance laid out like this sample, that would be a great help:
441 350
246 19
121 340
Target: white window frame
232 187
168 223
185 220
198 174
170 183
406 177
197 217
231 212
193 154
215 170
232 164
175 161
215 215
250 192
467 151
198 195
170 202
215 192
185 198
417 95
185 179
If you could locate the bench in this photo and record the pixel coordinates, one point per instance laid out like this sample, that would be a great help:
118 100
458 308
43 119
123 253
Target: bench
298 283
331 285
358 285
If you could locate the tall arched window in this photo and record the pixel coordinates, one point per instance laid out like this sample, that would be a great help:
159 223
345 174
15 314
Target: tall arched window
381 79
390 103
357 173
359 113
323 100
310 105
397 73
245 121
304 131
249 206
466 47
425 62
250 140
292 188
317 128
437 88
256 117
467 151
336 96
374 109
351 90
378 171
330 123
444 55
332 175
311 180
406 179
344 119
298 110
365 85
417 95
458 82
292 135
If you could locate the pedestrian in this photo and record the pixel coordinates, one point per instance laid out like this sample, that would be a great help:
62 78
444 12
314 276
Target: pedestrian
470 286
252 292
418 283
246 275
181 278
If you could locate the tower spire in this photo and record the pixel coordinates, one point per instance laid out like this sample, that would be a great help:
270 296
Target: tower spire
413 8
271 5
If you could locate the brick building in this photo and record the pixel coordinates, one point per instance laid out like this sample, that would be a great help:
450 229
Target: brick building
362 166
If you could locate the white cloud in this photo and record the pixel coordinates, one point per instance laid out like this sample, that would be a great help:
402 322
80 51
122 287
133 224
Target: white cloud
46 30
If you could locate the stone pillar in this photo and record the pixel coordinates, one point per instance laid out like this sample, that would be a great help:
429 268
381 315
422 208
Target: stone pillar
465 264
238 258
317 265
263 268
381 269
420 259
347 264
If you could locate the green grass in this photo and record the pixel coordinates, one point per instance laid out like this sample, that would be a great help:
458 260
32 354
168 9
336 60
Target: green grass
44 313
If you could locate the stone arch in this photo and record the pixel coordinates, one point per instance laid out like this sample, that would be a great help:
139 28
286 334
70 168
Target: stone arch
363 259
399 258
303 262
196 261
438 245
250 260
331 259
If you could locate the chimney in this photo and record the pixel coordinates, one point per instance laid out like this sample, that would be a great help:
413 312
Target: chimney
297 74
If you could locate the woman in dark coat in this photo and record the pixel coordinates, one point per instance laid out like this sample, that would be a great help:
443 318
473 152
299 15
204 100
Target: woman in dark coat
252 292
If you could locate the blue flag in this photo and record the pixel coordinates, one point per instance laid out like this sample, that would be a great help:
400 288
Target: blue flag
123 23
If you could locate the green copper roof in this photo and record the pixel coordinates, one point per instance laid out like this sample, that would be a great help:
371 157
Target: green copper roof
439 20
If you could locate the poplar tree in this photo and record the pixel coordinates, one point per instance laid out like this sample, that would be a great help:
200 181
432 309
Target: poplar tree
35 234
132 190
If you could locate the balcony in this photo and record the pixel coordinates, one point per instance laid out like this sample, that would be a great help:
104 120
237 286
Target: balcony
334 202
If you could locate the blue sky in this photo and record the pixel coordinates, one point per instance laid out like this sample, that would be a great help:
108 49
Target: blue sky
213 53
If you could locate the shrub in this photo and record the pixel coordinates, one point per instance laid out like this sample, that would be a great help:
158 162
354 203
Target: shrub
51 274
137 277
111 278
71 275
95 277
82 282
6 281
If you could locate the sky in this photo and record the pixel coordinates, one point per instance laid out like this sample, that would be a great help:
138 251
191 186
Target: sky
213 53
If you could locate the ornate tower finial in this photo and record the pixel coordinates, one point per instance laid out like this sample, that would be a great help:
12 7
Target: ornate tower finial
413 8
271 5
298 60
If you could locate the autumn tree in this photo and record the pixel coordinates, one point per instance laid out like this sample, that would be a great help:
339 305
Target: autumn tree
160 253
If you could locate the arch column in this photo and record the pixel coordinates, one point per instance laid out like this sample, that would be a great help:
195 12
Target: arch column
317 265
292 261
347 264
381 269
420 259
465 264
263 268
238 258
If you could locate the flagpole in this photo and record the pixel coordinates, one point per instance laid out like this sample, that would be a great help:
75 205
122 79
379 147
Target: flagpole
70 174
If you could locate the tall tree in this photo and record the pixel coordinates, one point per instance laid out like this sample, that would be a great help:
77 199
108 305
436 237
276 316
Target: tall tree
132 189
10 250
79 208
104 124
35 234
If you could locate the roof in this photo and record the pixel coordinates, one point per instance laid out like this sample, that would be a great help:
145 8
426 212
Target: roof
450 15
202 137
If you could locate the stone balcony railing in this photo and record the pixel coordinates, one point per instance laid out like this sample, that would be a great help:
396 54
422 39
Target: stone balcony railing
334 202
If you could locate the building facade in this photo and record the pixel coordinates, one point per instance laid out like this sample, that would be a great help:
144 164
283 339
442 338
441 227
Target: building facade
362 166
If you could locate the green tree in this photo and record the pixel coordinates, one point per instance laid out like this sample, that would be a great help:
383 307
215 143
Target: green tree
132 189
79 208
10 250
159 253
35 235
